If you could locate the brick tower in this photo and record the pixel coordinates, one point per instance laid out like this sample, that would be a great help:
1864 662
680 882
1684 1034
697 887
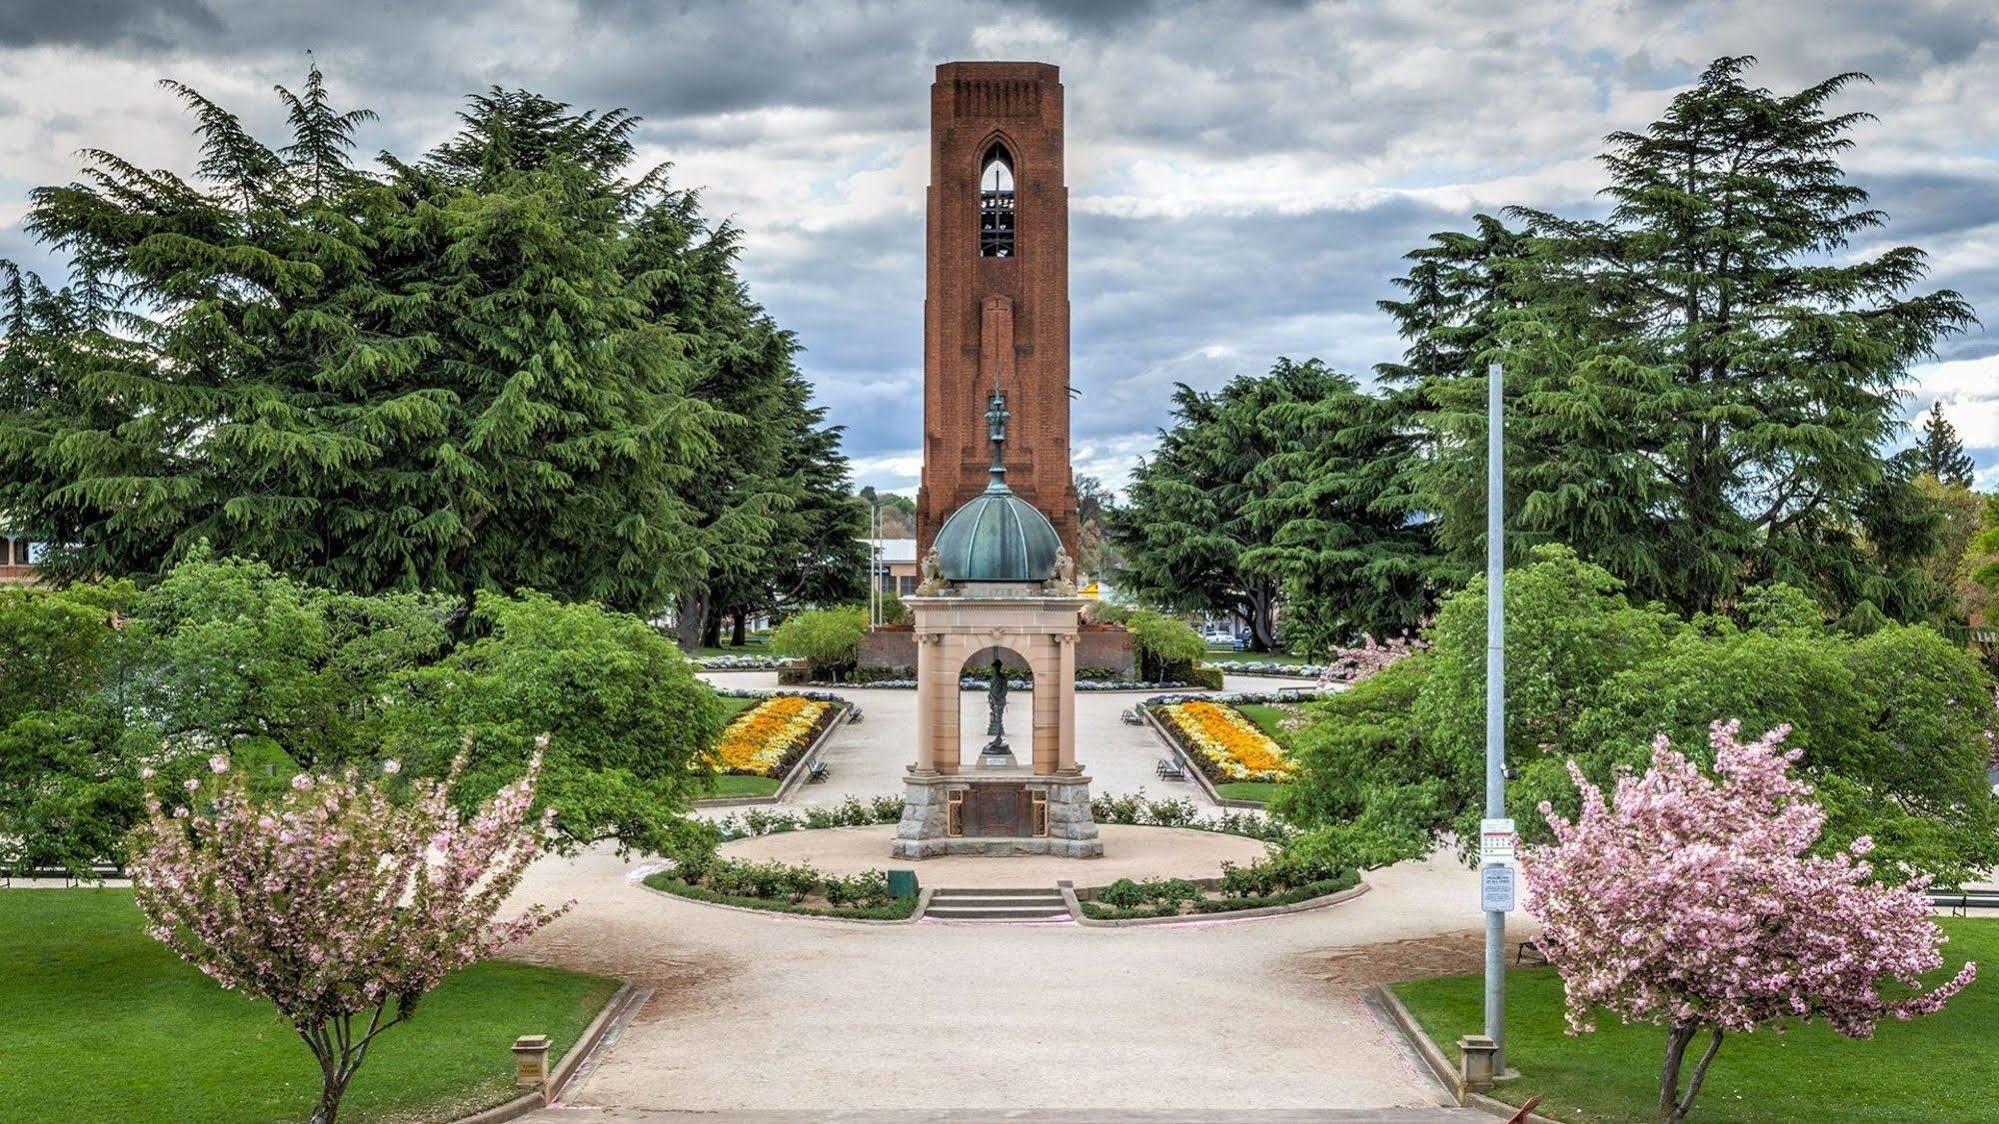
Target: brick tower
996 307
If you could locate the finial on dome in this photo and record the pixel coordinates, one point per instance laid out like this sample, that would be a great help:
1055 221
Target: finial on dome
996 415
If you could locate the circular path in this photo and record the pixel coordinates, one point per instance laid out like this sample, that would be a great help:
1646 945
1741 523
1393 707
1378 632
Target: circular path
753 1015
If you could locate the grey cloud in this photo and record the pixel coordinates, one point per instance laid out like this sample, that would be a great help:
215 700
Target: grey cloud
1389 96
149 24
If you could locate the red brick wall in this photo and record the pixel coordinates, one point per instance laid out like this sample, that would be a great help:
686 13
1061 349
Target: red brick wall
966 347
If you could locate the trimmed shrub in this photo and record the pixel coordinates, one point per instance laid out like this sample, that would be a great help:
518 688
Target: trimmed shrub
828 639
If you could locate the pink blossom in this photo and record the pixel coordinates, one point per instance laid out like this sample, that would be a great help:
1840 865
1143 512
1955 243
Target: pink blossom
146 773
218 764
1694 901
191 784
338 901
392 767
1351 665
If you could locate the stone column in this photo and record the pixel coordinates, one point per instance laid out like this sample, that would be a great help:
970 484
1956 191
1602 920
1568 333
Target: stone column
927 644
947 656
1047 708
1065 719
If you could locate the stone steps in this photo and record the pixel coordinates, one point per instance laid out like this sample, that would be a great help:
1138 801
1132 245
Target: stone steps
990 904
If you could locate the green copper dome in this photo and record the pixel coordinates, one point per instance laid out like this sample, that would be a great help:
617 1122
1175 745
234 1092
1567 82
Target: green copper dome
998 537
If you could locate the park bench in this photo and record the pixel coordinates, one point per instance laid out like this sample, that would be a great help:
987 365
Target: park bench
1959 900
1170 770
817 772
1530 952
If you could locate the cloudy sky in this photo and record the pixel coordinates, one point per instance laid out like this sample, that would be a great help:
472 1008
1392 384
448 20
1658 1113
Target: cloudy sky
1243 176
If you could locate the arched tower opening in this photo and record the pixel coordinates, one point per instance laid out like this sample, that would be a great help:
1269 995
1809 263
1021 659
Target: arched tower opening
996 203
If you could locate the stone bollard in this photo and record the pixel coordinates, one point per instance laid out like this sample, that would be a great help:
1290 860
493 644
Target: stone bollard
1475 1057
531 1061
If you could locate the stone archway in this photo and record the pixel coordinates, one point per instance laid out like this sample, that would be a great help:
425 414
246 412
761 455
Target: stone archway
1048 787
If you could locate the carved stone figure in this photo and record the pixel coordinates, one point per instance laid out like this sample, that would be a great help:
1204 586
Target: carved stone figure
1064 581
933 575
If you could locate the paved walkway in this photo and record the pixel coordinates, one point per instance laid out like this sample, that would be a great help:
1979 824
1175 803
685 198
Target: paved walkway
767 1013
1250 1019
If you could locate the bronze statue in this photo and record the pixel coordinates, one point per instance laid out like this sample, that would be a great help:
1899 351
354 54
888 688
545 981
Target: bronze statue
996 709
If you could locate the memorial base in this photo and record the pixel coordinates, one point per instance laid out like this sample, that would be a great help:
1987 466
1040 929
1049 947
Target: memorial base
996 812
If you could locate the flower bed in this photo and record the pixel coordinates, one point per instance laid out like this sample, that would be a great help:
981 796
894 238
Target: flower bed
766 740
1226 745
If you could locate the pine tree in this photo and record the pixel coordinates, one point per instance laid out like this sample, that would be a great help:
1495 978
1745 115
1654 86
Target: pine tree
1701 386
1281 486
1940 453
511 363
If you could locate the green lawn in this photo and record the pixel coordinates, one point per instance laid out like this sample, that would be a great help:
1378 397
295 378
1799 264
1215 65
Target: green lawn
1933 1069
1270 720
733 786
733 705
1262 792
103 1023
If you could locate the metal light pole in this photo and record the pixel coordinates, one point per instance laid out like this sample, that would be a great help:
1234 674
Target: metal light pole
1495 708
874 563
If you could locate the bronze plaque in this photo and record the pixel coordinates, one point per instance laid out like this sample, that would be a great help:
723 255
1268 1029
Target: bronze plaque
997 810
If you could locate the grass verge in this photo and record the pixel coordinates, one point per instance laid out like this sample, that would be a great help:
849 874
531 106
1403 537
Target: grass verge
898 909
1262 792
1935 1069
731 785
103 1023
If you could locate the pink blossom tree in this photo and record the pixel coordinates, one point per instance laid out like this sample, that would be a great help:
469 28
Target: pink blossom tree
1690 901
342 903
1351 665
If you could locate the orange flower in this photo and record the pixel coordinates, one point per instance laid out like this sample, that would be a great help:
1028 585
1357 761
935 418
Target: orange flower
1232 742
762 737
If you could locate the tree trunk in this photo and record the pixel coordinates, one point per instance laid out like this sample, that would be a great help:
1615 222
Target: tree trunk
1673 1105
691 614
1262 602
711 627
738 635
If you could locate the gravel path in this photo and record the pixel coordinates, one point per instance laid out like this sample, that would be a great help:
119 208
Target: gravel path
758 1013
773 1013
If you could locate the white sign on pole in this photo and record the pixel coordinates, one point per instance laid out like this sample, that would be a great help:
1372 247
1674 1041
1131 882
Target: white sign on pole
1495 889
1495 842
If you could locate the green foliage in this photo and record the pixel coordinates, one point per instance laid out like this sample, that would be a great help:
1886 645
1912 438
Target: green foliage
1290 484
1167 647
515 362
1700 386
1939 452
1569 630
69 785
267 668
866 890
828 639
1892 724
624 713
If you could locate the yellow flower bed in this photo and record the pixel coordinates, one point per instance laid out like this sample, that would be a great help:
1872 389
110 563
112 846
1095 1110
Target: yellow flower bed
761 738
1233 743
